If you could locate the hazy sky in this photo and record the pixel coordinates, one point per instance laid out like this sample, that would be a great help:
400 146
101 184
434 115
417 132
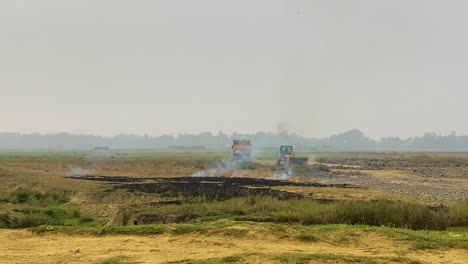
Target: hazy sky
313 67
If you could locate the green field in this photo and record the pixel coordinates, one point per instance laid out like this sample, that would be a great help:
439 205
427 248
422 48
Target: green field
37 198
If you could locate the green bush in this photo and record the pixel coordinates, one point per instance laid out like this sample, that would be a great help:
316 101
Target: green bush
27 196
36 216
30 220
35 208
23 195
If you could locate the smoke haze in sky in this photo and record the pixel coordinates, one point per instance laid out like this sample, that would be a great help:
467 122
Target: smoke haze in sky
390 68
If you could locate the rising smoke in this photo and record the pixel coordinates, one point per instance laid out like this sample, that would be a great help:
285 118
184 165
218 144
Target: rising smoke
218 168
76 171
283 175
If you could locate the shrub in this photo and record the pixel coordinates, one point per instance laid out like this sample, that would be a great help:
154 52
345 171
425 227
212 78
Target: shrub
24 195
39 209
29 220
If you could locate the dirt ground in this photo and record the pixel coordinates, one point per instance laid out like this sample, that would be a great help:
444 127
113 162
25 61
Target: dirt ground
403 183
21 246
430 182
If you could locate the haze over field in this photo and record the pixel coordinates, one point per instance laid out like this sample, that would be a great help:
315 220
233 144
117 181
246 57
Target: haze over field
317 68
349 140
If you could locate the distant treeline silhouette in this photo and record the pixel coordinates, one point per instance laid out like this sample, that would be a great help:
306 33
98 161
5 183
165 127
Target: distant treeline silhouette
349 140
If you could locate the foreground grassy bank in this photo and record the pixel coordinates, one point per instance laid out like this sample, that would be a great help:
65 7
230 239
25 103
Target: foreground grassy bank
335 234
24 208
231 242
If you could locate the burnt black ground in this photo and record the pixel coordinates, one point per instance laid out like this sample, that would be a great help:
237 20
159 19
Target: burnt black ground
209 187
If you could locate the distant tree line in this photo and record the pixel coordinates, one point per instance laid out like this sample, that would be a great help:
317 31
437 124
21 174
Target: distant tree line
349 140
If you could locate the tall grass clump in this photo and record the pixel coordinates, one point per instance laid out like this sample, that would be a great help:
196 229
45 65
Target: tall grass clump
32 208
374 213
393 214
458 214
307 212
27 196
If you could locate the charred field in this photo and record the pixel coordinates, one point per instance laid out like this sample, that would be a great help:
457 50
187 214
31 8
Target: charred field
344 204
219 188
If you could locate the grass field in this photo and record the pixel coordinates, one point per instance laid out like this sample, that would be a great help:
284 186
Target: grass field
401 208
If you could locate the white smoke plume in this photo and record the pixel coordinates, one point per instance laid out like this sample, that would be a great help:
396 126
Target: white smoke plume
76 171
283 175
219 168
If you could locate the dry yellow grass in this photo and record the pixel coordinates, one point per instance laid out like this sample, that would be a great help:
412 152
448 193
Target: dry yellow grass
412 179
20 246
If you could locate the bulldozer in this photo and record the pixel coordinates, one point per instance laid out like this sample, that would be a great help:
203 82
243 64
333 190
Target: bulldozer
286 158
